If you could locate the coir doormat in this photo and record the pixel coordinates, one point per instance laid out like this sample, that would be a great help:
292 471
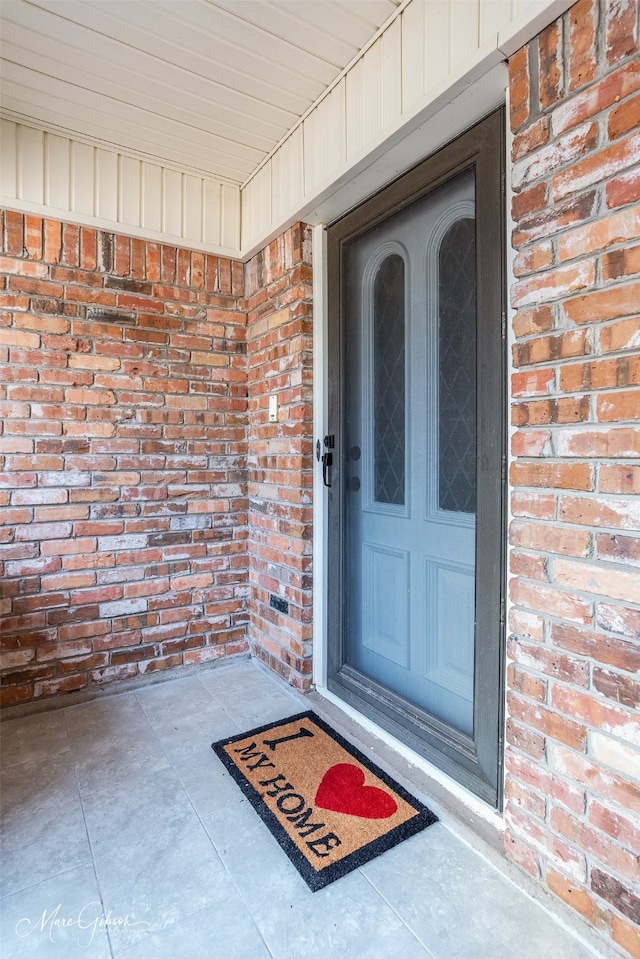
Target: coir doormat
329 807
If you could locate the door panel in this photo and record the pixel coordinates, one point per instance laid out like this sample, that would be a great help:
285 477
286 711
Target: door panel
416 507
402 354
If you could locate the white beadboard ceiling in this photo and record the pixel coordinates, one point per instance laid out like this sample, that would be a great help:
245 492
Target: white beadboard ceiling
210 86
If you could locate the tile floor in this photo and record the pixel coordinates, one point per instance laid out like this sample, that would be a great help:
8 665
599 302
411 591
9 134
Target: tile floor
123 836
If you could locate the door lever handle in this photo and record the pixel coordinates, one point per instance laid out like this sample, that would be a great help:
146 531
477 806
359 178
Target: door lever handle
327 463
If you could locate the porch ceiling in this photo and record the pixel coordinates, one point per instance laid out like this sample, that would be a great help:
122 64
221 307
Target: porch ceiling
206 85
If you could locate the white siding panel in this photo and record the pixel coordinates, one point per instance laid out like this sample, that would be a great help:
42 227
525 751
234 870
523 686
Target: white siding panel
82 178
172 203
129 191
8 157
493 16
373 93
391 101
57 174
107 185
229 217
151 197
258 203
286 178
354 110
192 208
465 20
52 175
211 213
438 42
30 164
413 54
324 139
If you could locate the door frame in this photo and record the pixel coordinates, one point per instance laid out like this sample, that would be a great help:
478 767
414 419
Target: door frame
475 762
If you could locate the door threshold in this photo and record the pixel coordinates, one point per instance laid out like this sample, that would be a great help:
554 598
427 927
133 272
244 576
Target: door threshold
464 812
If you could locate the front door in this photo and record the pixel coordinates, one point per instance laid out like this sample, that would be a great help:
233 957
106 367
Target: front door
416 495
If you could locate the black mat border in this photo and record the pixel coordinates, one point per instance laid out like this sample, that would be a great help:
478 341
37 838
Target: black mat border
319 879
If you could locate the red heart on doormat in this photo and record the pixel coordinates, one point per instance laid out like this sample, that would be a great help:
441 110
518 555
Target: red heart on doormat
342 790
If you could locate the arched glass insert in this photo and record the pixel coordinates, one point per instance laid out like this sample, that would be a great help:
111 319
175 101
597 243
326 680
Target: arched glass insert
389 381
457 368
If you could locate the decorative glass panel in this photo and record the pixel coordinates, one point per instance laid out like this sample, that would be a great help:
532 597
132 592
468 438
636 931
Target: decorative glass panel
457 368
389 381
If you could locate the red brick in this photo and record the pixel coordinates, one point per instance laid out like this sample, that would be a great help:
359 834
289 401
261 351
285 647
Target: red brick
596 712
604 304
601 648
531 443
600 374
618 548
525 740
616 228
529 201
615 824
522 853
597 167
619 406
623 189
544 161
70 245
547 721
622 262
621 620
592 841
626 935
560 852
610 89
88 249
576 476
575 897
530 686
566 762
600 511
535 135
549 64
548 285
615 892
582 43
525 798
14 695
14 233
519 87
551 601
621 29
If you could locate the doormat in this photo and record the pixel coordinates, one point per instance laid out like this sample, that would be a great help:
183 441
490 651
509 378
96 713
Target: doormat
330 808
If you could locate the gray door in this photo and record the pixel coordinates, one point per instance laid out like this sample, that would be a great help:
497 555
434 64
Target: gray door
411 429
416 330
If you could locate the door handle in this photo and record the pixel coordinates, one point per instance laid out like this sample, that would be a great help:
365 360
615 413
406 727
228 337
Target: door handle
327 463
329 442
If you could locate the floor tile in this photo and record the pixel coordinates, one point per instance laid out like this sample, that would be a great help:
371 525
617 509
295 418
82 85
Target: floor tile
344 919
179 698
254 859
153 857
61 918
42 825
30 738
224 931
459 905
250 696
111 739
187 745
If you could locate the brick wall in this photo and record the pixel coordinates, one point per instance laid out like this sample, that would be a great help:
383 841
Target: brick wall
123 536
279 343
573 731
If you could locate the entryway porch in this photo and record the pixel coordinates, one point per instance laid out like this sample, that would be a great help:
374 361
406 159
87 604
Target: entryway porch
124 837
